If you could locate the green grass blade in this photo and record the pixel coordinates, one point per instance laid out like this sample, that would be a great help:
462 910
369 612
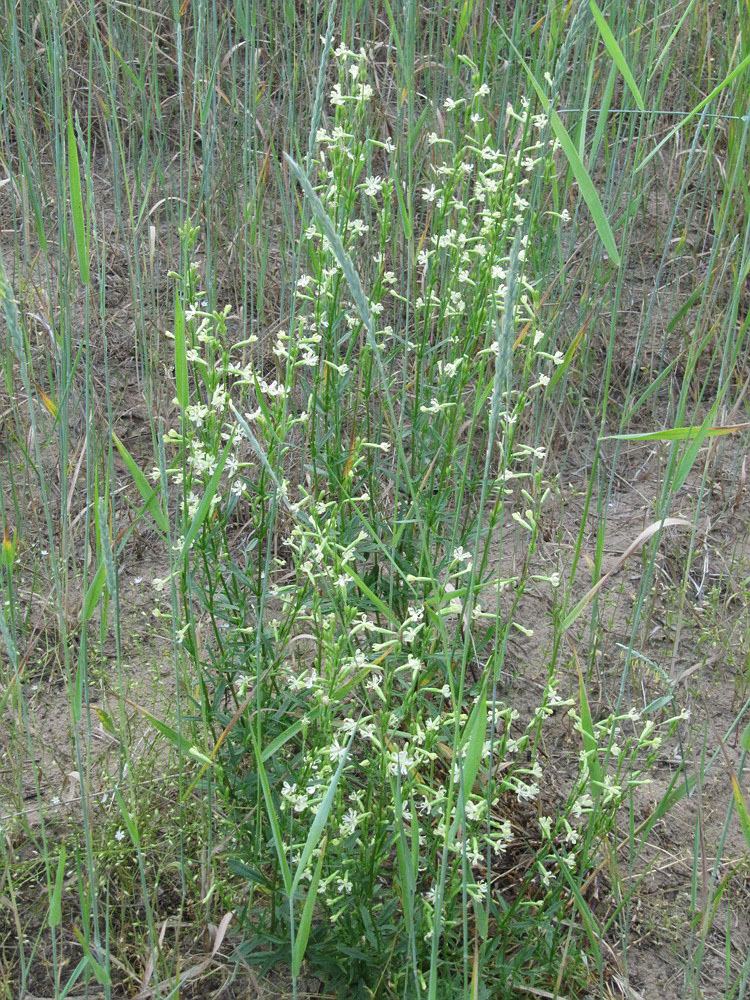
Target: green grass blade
205 504
696 110
742 812
699 432
305 922
127 818
585 184
76 205
273 819
147 491
55 906
615 52
180 355
380 605
100 973
179 742
345 261
321 818
606 104
473 741
590 743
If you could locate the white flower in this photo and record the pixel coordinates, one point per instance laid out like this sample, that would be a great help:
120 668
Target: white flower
373 186
479 889
344 884
349 822
399 762
120 835
429 193
473 810
461 555
527 792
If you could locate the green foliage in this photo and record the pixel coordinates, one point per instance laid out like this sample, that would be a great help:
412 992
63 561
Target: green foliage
347 736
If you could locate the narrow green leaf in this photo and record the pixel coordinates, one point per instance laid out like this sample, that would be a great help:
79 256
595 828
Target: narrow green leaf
580 138
177 741
148 492
593 930
106 550
180 355
658 703
76 206
606 104
55 906
473 739
273 819
696 110
698 433
394 30
303 931
569 354
615 52
345 261
74 977
275 745
100 973
687 460
694 297
590 744
586 187
205 504
380 605
127 818
93 593
477 732
254 443
106 720
463 23
585 184
9 642
742 812
668 44
77 699
321 818
406 871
